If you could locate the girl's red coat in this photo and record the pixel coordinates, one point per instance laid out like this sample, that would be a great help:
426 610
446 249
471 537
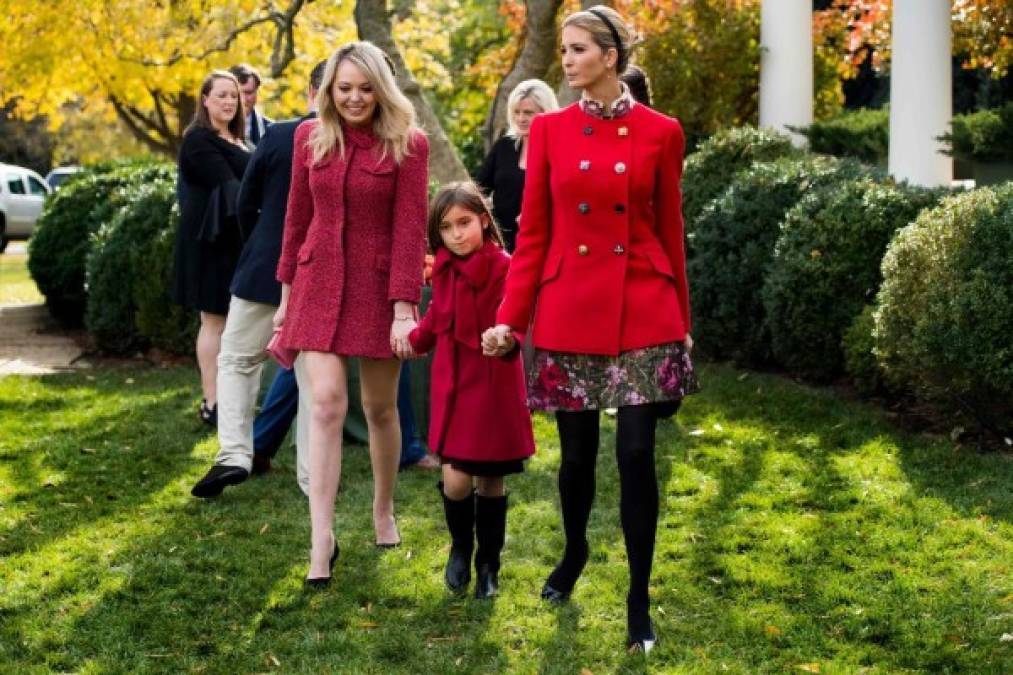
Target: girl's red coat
478 404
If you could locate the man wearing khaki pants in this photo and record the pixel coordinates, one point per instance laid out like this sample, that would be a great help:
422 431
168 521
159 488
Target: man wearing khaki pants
255 296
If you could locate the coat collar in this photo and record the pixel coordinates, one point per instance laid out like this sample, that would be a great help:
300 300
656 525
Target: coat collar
362 138
614 110
474 269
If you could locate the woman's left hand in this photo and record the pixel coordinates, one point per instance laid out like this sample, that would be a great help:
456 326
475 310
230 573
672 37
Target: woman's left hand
688 343
404 323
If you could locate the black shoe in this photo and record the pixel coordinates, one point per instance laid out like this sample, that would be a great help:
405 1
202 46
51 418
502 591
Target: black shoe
209 414
640 638
216 480
261 464
324 582
639 630
460 516
490 532
560 583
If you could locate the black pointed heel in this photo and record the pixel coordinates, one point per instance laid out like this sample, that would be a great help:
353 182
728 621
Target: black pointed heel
560 583
324 582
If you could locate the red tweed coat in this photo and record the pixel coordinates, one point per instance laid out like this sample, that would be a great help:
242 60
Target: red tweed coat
354 243
479 409
600 259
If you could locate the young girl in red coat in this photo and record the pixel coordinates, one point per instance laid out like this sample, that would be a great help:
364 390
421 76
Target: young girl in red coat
479 424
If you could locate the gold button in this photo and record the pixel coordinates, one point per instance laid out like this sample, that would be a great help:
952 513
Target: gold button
624 131
620 167
619 250
582 249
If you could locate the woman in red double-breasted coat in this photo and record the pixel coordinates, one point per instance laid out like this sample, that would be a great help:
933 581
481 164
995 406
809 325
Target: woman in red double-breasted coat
600 272
479 425
351 273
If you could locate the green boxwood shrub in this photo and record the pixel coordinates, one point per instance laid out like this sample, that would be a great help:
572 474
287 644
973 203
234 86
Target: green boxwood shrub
863 134
985 136
165 325
826 268
860 361
709 171
129 259
733 243
944 321
59 246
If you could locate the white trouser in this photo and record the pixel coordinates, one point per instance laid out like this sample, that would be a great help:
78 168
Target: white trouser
248 329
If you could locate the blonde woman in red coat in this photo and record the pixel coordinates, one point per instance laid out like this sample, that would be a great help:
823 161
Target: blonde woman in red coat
600 271
351 273
479 424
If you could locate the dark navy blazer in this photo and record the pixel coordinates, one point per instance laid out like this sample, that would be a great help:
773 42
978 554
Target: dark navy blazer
262 202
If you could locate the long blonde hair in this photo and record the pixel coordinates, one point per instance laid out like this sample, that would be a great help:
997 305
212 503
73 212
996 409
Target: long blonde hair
394 121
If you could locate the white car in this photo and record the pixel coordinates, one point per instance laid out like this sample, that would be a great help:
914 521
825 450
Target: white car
60 174
22 194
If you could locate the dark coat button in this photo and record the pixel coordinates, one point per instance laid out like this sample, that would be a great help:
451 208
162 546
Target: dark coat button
620 208
588 131
584 207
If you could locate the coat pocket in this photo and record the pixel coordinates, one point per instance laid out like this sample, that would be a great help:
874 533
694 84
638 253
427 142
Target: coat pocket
551 269
305 255
660 262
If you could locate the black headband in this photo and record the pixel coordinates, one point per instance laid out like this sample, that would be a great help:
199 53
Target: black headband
612 29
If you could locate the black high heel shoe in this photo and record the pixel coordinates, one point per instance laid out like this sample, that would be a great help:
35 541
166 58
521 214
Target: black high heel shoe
209 414
640 636
323 582
560 583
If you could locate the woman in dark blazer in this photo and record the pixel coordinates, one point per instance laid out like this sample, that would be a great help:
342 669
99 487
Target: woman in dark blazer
600 267
502 172
212 160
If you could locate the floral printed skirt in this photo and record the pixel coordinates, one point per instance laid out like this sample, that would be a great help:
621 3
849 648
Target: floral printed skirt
565 381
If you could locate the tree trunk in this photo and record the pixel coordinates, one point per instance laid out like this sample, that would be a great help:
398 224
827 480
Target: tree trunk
373 22
533 61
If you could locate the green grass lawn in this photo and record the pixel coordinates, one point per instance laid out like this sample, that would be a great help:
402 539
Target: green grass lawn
16 286
798 533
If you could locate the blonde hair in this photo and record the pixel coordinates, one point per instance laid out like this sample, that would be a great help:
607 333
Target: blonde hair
590 21
394 121
539 93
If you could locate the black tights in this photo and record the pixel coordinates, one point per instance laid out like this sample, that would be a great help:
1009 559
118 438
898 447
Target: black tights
638 501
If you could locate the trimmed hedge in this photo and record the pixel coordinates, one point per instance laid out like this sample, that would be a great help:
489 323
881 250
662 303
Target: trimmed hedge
128 273
59 246
826 268
944 323
733 244
709 171
863 134
985 136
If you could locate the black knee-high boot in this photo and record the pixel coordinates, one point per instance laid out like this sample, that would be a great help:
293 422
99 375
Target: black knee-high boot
490 532
638 509
578 442
460 514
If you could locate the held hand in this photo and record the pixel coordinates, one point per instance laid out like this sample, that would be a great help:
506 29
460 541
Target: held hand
498 340
399 332
279 316
689 343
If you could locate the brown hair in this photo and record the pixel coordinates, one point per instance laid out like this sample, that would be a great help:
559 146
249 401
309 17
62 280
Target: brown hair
201 118
605 24
466 195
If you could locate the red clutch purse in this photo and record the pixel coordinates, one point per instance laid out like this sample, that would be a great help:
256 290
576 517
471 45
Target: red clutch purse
283 355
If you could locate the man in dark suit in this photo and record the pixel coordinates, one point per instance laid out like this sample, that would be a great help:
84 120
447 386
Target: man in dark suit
249 86
262 203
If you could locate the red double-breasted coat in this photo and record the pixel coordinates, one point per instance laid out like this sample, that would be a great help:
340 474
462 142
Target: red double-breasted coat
600 259
354 243
479 410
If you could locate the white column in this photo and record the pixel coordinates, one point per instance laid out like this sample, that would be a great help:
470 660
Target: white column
786 66
921 91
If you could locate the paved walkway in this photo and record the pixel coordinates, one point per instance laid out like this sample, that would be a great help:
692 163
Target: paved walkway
31 343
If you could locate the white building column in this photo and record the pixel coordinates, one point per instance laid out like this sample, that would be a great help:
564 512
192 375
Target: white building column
786 66
921 91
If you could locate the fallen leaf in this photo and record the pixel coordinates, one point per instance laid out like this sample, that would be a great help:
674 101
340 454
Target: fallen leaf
697 432
661 610
953 638
459 660
129 380
88 451
586 671
1006 637
772 631
88 499
273 660
718 427
264 529
956 433
743 376
1008 440
368 624
715 580
809 667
